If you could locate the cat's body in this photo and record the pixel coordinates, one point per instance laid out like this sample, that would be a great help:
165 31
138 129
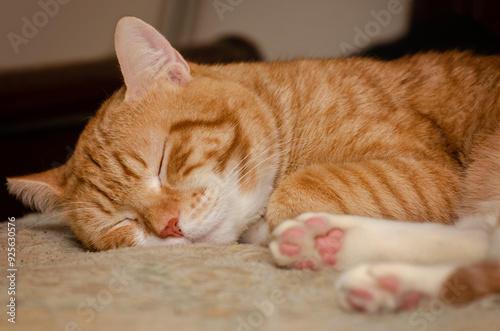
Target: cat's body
187 153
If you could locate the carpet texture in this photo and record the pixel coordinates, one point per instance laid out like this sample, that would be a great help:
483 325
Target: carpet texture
60 286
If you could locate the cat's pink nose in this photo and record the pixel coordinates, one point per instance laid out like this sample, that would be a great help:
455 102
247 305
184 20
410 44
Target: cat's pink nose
172 229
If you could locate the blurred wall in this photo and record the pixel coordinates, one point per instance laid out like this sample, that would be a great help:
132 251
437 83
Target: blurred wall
45 32
41 32
297 28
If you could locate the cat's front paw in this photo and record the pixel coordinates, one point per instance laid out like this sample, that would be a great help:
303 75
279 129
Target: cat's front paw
308 242
382 288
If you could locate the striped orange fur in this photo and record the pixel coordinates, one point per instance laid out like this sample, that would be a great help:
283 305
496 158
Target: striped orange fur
230 144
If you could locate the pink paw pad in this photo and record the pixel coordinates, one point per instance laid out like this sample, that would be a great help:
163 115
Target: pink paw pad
329 244
411 300
358 295
293 233
389 283
362 293
290 249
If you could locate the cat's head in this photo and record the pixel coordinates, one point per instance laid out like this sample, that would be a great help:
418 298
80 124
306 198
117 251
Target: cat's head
180 154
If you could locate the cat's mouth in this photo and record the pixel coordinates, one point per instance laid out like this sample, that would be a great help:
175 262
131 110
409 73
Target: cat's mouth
208 230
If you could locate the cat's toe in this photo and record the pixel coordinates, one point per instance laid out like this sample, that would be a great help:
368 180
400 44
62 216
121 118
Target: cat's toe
306 243
288 245
375 289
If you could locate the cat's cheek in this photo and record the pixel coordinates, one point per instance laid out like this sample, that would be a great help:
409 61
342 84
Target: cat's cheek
124 236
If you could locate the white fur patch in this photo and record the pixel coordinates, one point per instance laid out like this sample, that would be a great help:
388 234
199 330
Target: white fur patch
257 233
231 213
486 220
154 184
143 239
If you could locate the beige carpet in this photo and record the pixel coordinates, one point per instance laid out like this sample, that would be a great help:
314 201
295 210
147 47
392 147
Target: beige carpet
59 286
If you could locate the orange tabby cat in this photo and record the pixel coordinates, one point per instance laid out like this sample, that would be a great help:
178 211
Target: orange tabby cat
186 153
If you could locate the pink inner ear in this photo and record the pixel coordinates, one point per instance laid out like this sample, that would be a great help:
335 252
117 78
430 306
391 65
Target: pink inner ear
145 55
175 75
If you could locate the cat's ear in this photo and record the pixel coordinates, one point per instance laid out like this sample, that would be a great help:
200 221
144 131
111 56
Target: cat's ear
41 191
144 55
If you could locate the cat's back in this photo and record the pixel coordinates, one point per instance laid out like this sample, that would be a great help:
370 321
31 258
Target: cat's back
430 96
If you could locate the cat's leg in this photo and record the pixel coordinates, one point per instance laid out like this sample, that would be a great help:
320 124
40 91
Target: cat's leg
318 240
389 287
385 287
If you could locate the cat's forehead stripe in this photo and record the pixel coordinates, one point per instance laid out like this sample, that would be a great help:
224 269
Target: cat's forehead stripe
125 168
199 123
92 159
100 191
137 158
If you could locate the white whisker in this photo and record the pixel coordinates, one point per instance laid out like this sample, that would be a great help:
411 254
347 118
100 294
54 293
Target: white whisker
279 140
59 214
247 177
